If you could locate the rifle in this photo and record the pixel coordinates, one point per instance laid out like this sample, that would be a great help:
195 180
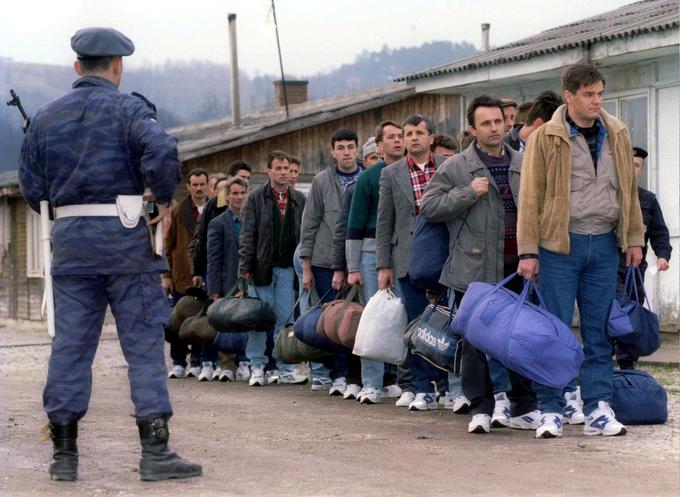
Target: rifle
16 101
48 295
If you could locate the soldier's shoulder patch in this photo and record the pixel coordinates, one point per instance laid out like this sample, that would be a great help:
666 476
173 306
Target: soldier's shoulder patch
148 102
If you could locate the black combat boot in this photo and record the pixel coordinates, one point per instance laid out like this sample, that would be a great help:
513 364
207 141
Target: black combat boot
158 462
64 465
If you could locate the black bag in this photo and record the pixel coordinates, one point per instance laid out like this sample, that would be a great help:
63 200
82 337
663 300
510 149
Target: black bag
638 399
240 312
430 337
291 350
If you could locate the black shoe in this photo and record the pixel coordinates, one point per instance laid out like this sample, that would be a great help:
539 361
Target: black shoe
64 466
158 461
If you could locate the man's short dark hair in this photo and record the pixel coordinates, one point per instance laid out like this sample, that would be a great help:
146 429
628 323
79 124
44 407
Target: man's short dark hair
578 75
522 111
508 102
198 171
344 134
95 64
294 160
482 101
544 107
380 128
416 119
446 141
236 180
239 165
277 154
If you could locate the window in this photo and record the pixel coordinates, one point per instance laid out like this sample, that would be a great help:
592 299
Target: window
633 112
34 253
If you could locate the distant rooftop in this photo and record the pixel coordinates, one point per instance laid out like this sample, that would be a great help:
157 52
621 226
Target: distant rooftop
636 18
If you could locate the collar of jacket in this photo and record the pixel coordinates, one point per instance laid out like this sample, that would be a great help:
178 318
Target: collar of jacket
556 126
186 214
268 192
87 81
474 163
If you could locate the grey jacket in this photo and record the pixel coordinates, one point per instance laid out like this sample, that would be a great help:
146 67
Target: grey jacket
396 217
319 217
256 243
477 255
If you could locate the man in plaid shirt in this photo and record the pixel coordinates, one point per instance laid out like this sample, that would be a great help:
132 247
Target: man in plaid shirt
402 186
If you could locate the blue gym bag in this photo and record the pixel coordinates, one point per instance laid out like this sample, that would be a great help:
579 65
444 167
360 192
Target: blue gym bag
638 399
524 337
431 239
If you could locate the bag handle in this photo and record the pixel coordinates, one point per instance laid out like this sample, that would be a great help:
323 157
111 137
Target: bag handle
292 311
354 292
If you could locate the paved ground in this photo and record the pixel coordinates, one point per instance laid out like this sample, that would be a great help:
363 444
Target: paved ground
288 441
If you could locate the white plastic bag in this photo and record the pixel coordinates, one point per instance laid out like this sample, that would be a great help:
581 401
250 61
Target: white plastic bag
380 335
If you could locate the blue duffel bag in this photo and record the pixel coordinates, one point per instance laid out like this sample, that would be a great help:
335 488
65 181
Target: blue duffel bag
634 326
524 337
638 399
431 239
305 326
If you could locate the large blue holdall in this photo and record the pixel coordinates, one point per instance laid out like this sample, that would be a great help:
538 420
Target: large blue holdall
524 337
638 399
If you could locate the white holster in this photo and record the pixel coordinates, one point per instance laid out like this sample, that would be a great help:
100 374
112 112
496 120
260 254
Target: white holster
128 208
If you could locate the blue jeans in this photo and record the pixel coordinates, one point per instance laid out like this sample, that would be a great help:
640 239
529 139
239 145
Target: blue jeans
281 296
499 376
337 365
588 276
371 371
415 302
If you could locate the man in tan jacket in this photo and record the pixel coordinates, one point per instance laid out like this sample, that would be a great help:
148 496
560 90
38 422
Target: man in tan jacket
577 204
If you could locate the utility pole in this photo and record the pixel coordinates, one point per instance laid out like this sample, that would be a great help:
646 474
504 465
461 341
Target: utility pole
283 78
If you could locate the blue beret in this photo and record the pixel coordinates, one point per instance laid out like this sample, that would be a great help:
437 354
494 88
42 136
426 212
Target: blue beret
101 42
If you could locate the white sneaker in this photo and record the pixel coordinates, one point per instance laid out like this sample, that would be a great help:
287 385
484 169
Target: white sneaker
338 387
370 395
207 371
272 376
405 399
177 371
423 402
391 391
501 411
257 378
528 421
573 411
481 423
293 377
446 400
243 371
550 426
193 372
351 392
461 404
603 422
226 375
321 384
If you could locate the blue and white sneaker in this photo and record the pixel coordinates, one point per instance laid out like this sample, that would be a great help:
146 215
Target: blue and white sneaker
573 411
501 411
321 384
529 421
423 402
551 426
603 422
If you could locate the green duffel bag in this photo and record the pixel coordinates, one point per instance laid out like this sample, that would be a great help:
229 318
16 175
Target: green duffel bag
290 349
196 329
185 307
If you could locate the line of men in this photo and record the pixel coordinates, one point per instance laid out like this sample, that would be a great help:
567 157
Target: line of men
556 192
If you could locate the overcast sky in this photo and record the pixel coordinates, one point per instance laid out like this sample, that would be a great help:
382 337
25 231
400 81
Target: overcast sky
316 35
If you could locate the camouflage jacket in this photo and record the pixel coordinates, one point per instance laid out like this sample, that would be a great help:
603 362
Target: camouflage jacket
85 148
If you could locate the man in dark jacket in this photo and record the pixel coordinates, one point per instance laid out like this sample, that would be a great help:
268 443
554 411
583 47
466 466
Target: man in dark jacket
270 231
656 233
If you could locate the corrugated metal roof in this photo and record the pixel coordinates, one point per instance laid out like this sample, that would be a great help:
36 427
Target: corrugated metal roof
636 18
199 139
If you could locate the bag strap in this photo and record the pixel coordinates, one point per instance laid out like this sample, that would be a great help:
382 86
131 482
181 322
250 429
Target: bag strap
354 293
642 287
292 311
630 284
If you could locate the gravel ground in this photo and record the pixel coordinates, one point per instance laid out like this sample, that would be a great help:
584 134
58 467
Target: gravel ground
288 441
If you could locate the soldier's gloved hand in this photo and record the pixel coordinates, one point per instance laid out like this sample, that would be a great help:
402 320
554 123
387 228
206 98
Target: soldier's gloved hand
163 215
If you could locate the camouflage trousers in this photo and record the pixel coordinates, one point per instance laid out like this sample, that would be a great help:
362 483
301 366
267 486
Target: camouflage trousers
140 310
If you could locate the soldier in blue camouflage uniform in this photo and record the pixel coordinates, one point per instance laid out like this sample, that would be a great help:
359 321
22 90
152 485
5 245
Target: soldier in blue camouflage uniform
80 152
